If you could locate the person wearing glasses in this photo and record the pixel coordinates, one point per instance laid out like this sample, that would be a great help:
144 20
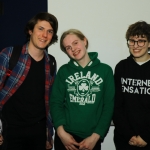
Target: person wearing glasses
132 97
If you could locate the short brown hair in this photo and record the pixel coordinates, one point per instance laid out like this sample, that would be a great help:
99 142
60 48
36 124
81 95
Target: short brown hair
43 16
140 28
76 32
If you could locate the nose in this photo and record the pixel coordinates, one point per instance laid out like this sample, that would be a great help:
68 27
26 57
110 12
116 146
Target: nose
44 34
136 44
73 48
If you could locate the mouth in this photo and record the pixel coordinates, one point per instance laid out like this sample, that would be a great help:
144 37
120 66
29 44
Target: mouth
42 40
76 53
136 50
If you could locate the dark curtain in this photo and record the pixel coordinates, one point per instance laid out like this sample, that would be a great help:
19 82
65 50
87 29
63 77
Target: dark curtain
14 15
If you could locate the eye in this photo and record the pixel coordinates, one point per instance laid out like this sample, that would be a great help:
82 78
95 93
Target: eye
68 48
76 43
51 31
141 41
40 28
131 41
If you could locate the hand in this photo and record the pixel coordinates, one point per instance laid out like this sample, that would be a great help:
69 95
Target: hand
89 142
133 141
67 139
1 139
137 141
140 142
49 145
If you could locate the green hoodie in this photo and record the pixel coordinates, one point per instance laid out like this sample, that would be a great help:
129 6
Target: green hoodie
82 99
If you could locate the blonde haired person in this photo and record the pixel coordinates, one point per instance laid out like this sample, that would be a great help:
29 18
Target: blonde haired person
82 97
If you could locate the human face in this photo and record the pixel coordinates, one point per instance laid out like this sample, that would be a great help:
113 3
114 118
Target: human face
41 35
76 48
140 53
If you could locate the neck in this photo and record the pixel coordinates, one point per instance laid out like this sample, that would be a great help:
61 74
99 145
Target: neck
84 61
142 59
35 53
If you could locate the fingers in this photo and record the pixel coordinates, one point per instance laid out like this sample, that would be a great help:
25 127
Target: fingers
75 143
1 142
140 145
1 139
132 143
71 147
49 145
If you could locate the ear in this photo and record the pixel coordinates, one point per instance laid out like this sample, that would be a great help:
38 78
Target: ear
149 45
148 48
85 41
30 32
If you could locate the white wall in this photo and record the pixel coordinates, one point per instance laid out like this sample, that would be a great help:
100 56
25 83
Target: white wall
104 22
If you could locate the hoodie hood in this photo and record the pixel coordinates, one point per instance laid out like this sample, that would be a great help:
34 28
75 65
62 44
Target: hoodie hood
94 61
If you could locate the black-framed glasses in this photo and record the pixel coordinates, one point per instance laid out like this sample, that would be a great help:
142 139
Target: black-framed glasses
140 43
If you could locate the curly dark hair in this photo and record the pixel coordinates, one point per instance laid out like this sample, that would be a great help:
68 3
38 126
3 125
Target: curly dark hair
43 16
140 28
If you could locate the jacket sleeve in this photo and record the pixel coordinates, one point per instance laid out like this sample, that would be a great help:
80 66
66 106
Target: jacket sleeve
108 105
119 118
4 63
49 129
57 99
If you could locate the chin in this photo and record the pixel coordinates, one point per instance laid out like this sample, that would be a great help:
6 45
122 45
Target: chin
136 55
42 48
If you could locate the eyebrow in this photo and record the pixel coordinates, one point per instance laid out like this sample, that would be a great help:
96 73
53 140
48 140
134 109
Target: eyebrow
139 38
44 28
50 30
67 46
74 41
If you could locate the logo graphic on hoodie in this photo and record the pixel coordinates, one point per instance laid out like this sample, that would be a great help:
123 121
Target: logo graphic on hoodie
82 89
135 86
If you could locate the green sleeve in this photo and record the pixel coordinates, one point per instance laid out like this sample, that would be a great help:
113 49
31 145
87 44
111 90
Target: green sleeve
108 105
57 98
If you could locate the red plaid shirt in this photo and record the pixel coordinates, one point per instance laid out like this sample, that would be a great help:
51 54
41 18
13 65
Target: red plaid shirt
17 77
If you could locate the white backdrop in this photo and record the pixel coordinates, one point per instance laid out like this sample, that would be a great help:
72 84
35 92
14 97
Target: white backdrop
104 23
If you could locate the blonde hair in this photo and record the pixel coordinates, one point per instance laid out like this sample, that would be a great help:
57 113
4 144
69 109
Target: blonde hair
76 32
